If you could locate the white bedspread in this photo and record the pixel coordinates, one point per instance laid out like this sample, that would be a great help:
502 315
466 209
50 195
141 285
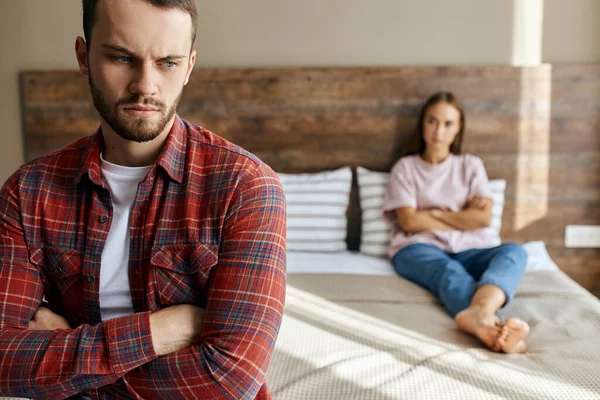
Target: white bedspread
352 329
355 263
380 337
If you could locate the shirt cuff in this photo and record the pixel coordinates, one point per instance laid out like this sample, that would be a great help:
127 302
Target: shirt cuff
129 341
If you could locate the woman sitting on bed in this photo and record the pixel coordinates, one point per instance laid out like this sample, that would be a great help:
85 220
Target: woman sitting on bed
439 203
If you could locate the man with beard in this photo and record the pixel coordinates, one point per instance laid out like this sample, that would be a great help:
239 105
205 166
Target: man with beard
146 260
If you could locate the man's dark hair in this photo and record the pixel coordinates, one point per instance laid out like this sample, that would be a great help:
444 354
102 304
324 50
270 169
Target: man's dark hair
188 6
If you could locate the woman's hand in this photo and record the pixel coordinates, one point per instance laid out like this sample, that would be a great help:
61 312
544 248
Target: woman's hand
477 202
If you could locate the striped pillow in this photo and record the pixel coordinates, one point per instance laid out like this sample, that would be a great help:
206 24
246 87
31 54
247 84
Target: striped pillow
498 187
376 231
316 210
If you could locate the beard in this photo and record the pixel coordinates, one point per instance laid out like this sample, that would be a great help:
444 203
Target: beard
127 126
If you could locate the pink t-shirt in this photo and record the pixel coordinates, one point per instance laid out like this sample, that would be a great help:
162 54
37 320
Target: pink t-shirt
447 186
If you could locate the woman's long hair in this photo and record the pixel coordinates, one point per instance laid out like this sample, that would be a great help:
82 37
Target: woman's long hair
417 145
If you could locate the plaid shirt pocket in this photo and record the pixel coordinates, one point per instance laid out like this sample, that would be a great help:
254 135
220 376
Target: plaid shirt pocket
179 273
61 272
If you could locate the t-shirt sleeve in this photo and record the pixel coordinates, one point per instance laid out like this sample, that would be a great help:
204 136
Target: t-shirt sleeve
479 184
401 190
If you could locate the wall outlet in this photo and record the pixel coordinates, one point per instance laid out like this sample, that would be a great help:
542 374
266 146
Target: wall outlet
582 236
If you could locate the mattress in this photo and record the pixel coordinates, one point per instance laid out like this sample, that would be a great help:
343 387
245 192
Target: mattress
362 335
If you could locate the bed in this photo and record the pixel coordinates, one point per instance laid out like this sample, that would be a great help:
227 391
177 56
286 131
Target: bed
352 329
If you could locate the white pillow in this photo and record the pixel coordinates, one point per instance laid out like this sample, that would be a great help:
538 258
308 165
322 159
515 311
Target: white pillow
316 209
376 230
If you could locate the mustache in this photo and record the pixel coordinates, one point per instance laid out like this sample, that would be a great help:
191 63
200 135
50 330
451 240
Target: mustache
141 100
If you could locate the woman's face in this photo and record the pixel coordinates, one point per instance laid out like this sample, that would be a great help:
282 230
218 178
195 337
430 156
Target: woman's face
441 124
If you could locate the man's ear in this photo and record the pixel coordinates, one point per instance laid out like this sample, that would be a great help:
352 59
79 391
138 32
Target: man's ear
190 66
82 55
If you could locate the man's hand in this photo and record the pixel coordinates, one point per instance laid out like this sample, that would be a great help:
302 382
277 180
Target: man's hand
173 328
176 328
46 320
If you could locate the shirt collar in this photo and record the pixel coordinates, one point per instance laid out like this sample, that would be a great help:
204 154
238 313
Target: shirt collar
171 158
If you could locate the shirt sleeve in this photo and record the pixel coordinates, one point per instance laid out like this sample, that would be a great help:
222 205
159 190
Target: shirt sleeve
245 300
479 185
401 190
60 363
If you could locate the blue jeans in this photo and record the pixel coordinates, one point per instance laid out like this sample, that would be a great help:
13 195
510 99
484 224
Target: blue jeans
454 277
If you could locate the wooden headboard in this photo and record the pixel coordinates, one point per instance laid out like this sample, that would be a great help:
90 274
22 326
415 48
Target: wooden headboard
536 127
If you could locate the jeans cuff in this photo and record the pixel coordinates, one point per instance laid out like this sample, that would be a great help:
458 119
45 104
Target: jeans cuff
509 296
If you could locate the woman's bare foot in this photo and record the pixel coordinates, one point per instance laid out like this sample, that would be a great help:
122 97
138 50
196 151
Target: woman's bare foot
481 323
512 336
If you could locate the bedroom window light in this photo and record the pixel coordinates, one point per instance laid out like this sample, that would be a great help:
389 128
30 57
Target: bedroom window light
533 157
527 32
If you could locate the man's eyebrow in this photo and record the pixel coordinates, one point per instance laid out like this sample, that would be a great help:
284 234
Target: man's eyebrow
118 48
172 57
131 53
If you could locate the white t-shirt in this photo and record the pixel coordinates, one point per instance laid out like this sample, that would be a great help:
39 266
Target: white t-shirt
449 186
115 293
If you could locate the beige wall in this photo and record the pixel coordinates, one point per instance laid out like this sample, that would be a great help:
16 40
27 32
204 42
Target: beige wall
354 32
36 34
571 31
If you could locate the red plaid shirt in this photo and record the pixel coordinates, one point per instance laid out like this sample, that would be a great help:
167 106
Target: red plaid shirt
207 228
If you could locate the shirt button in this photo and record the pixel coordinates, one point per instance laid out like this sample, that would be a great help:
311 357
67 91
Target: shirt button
103 219
91 278
58 270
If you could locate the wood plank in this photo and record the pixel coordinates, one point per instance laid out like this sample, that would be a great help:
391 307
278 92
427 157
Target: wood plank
551 227
384 129
575 82
575 134
258 84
